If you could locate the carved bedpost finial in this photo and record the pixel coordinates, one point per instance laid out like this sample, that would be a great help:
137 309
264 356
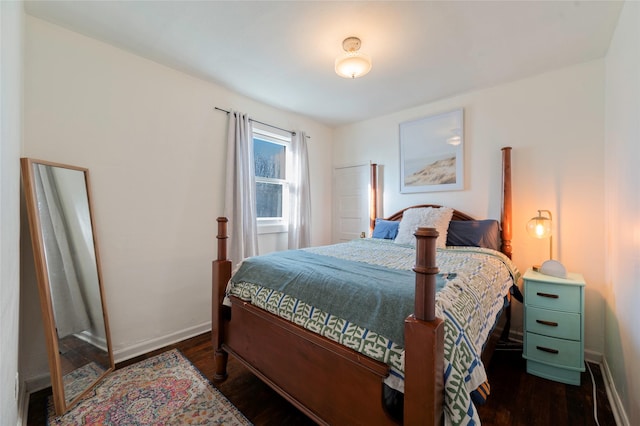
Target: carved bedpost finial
426 270
222 238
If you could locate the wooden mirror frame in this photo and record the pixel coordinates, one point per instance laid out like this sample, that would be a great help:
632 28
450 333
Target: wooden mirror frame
61 403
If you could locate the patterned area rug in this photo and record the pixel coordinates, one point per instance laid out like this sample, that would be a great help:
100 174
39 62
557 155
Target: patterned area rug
164 390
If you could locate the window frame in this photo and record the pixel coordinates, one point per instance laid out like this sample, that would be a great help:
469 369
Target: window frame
269 225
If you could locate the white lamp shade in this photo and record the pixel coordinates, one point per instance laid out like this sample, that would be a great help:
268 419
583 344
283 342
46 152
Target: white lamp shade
353 65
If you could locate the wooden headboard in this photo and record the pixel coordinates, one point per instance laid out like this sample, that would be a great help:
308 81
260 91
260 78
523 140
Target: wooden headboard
457 215
505 216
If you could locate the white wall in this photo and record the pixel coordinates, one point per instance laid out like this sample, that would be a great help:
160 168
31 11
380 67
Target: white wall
155 148
622 178
555 124
11 36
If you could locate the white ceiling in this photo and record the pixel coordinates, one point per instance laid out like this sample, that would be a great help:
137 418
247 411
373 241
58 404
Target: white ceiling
282 52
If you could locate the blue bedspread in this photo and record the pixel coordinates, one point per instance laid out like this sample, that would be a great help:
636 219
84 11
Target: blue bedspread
372 296
471 291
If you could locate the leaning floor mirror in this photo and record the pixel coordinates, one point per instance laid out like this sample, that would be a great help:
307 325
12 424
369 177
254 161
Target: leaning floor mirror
63 236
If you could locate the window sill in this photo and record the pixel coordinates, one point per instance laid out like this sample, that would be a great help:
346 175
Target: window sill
273 228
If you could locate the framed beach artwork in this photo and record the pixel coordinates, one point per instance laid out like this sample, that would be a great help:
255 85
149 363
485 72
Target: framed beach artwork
432 153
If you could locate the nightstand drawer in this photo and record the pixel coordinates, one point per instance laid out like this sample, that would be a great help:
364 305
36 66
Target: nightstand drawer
553 296
563 325
558 352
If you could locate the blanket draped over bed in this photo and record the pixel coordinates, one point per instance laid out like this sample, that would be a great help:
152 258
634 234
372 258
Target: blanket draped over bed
359 293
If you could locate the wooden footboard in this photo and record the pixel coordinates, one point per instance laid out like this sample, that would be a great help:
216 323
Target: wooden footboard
330 383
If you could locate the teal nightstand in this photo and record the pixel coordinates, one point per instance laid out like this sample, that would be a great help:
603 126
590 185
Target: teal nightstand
554 326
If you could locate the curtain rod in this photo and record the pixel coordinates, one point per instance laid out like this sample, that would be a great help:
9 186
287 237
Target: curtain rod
260 122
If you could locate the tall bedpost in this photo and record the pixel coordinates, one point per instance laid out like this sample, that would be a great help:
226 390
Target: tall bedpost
506 202
373 208
506 222
221 273
424 340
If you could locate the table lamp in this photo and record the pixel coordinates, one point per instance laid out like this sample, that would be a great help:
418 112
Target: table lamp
540 227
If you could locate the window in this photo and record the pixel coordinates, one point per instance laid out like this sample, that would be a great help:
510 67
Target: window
271 159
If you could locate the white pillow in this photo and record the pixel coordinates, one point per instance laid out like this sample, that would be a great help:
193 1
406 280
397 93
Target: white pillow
424 217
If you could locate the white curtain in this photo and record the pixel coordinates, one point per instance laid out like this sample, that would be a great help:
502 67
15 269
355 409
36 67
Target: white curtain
299 194
240 195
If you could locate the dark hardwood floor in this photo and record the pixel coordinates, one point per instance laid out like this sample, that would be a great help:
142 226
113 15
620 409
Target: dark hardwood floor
517 398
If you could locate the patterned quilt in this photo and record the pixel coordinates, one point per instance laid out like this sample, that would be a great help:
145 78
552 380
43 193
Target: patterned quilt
473 283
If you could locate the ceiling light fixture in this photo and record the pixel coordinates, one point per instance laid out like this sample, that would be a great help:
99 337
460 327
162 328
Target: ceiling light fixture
352 63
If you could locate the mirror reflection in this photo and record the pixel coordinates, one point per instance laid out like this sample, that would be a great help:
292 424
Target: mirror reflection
78 341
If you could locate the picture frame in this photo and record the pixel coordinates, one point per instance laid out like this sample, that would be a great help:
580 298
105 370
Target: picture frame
432 153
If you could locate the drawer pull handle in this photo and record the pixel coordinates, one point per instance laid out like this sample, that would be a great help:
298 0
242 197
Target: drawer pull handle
549 350
549 323
550 296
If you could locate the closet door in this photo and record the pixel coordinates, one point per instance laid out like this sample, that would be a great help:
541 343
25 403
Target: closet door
351 201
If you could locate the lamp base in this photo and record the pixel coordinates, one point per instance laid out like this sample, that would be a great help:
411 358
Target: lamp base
553 268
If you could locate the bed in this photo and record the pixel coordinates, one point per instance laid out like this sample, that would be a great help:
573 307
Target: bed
337 379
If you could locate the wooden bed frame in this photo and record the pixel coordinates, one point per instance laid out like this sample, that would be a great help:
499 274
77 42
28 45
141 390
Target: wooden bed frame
330 383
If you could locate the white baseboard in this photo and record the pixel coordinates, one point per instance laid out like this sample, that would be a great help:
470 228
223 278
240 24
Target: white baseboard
593 356
34 384
159 342
515 335
617 408
97 341
23 404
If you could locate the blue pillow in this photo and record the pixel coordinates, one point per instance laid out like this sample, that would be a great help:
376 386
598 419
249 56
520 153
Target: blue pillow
387 229
474 233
